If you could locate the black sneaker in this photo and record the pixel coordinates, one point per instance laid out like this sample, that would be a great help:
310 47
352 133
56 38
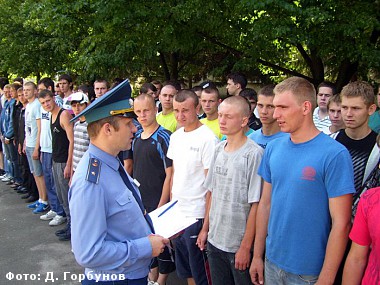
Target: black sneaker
31 199
62 231
18 188
65 237
22 191
26 196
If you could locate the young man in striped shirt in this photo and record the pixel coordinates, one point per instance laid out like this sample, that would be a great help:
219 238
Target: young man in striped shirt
78 102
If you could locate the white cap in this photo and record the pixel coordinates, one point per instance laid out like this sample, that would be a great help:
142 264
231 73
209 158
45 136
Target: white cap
77 97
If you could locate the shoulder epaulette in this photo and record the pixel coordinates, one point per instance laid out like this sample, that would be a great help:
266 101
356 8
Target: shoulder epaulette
93 170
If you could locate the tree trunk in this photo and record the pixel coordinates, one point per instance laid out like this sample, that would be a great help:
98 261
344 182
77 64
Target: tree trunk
174 60
190 81
347 70
317 68
314 62
164 66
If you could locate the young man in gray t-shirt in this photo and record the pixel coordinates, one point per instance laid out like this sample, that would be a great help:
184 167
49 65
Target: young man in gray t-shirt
235 189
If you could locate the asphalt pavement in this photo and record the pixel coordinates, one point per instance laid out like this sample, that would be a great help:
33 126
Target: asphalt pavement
30 253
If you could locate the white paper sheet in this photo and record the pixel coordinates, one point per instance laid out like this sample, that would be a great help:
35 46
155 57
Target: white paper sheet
171 222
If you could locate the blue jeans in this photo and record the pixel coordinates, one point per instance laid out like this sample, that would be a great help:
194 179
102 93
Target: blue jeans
276 276
11 155
47 165
222 268
141 281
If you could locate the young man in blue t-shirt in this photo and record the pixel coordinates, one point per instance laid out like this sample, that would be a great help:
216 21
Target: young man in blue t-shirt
303 217
270 129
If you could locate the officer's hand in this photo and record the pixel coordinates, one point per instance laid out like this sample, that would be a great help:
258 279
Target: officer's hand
158 244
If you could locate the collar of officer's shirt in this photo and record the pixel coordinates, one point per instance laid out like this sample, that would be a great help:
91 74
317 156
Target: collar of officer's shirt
104 157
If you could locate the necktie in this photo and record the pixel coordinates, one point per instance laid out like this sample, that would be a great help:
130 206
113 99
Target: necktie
125 178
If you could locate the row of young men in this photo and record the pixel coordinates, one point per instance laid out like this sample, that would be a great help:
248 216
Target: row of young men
221 184
211 98
63 89
39 143
327 117
47 146
184 120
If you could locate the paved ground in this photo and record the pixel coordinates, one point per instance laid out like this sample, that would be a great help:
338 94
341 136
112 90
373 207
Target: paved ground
30 252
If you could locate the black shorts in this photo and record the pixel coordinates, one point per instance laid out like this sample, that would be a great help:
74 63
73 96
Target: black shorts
190 260
165 261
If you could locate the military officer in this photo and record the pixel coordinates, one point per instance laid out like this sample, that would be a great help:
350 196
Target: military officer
111 235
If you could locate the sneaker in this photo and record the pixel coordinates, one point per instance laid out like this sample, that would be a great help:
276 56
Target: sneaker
41 208
66 236
26 196
62 231
3 176
48 216
22 191
34 205
31 199
19 187
150 282
6 179
58 220
15 185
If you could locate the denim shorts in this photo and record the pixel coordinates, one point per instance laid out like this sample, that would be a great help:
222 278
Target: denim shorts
34 164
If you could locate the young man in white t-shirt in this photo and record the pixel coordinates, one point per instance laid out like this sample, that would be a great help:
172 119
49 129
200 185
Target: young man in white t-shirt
32 145
191 149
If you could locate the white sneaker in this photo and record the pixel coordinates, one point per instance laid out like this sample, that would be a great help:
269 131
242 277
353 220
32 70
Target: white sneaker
58 220
48 216
6 178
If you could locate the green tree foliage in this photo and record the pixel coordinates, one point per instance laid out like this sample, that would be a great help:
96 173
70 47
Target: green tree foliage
267 39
